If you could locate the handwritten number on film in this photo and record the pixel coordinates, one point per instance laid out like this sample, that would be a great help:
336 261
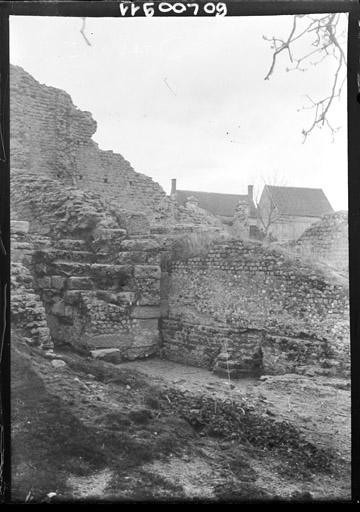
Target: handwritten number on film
211 8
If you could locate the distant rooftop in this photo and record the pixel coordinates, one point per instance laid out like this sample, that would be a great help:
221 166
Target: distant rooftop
301 202
216 203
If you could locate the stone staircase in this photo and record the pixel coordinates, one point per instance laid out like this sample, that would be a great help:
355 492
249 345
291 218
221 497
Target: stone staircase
97 304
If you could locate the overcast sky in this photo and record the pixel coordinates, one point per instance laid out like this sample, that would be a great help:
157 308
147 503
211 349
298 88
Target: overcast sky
186 98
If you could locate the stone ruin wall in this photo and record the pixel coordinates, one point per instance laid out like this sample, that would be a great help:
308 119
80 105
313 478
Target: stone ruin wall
244 297
327 241
50 135
99 285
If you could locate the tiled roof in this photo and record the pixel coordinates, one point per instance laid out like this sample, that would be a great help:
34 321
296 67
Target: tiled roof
303 202
215 203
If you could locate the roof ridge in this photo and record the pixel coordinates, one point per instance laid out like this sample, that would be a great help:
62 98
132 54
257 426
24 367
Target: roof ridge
208 192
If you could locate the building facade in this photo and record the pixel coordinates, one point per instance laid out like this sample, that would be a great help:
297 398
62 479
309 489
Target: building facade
286 212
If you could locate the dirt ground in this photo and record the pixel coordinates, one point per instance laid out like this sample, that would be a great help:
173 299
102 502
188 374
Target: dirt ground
319 406
154 430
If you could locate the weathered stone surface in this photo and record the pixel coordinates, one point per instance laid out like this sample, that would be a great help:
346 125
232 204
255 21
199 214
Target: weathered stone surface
149 299
140 244
326 240
72 296
27 310
110 355
145 312
126 297
141 352
61 309
239 291
79 283
44 282
19 227
107 240
122 272
135 223
147 271
59 364
57 282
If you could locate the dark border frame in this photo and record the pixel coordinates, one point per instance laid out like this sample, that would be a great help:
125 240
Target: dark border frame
235 8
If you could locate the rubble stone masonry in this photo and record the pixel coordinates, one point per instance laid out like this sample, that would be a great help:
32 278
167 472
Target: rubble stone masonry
50 135
244 296
327 240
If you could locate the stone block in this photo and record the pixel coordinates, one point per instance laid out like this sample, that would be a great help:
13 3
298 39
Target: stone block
59 364
57 282
108 239
79 283
19 227
144 312
44 282
133 353
147 272
107 271
110 355
140 245
135 223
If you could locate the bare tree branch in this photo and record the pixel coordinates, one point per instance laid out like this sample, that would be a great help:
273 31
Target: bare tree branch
82 31
326 43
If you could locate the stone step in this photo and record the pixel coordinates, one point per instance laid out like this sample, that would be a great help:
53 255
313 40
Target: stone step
75 256
71 244
140 244
110 355
92 270
70 268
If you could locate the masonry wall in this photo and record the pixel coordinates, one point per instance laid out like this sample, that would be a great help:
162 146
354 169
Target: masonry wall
242 290
99 285
50 135
28 316
327 240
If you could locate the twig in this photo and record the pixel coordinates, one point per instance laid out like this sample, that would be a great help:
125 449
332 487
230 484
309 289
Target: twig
82 30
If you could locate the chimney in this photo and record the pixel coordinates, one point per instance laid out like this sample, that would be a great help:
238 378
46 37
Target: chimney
173 186
250 192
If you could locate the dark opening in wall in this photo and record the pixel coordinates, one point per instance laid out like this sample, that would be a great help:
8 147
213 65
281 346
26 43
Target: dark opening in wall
130 183
105 180
80 177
